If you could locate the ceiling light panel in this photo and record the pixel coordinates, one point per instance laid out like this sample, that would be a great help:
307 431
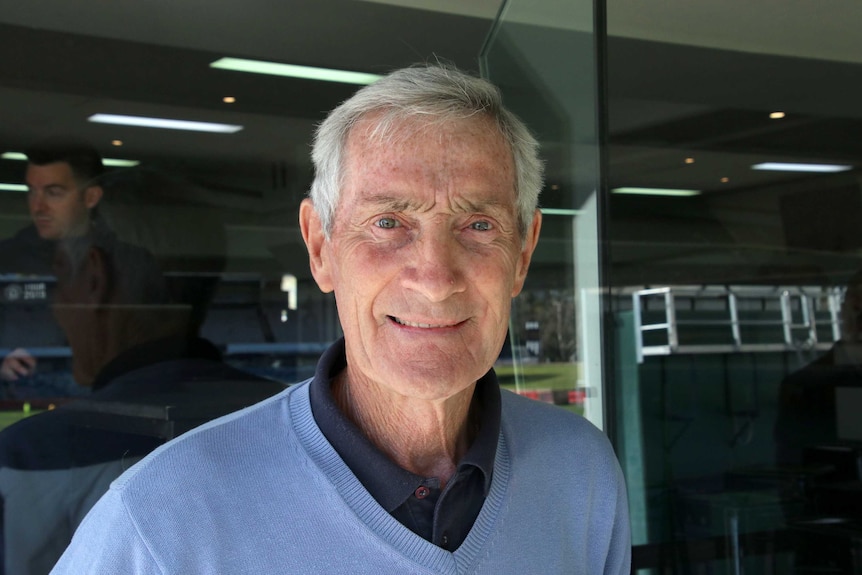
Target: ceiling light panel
294 71
113 162
655 192
164 123
790 167
561 212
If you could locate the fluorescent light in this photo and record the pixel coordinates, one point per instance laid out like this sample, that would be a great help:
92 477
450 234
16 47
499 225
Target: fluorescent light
785 167
294 71
166 123
13 187
655 192
114 162
561 212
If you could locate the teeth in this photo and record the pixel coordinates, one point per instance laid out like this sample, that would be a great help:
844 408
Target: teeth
411 324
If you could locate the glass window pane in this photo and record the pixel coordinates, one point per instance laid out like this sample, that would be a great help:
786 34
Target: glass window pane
735 247
556 322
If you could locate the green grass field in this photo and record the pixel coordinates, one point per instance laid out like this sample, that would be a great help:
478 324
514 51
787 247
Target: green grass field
7 418
541 377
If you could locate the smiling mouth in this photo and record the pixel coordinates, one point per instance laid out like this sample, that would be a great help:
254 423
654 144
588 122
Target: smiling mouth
406 323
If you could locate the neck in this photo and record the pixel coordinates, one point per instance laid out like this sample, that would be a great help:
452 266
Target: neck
425 437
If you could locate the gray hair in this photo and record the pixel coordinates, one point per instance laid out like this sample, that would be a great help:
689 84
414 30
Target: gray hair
435 92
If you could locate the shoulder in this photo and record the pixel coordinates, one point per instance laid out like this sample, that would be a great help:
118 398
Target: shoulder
540 430
26 252
520 410
237 442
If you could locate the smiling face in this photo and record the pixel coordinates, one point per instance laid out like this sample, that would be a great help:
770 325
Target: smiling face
424 255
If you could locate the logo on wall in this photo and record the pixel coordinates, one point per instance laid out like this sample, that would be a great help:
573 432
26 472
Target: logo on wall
25 292
13 292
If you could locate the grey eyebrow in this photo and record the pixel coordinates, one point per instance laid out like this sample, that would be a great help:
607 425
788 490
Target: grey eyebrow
397 204
392 203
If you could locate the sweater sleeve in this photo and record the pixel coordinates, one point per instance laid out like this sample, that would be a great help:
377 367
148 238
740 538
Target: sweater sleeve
620 550
108 543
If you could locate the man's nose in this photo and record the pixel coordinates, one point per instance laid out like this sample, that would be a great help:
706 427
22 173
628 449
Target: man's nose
37 202
436 270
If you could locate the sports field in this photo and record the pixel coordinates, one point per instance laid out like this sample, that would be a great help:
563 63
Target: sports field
543 378
539 376
535 377
7 418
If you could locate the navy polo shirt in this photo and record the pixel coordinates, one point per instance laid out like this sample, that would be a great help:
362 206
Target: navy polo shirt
441 516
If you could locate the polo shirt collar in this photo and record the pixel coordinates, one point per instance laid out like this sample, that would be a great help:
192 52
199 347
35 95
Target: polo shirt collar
388 483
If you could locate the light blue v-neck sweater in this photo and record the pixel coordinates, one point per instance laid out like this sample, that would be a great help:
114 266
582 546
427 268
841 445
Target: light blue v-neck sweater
262 492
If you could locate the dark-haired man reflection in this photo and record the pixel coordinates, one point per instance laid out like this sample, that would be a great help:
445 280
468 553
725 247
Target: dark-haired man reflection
134 344
806 402
62 180
808 442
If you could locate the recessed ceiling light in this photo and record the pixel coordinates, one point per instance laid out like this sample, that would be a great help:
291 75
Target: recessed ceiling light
689 160
294 71
228 100
725 180
116 142
555 187
777 115
790 167
114 162
560 212
165 123
13 187
655 192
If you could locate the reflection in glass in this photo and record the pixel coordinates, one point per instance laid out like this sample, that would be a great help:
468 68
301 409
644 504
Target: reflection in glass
729 326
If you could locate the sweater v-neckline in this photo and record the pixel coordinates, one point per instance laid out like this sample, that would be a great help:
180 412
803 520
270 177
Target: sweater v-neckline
376 519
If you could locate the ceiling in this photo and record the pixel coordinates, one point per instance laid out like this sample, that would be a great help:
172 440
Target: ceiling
685 80
63 63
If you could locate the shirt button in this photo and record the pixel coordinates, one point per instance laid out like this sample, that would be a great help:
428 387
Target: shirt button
421 492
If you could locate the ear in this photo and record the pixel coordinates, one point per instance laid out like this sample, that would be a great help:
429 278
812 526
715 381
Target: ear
530 241
92 195
98 279
317 244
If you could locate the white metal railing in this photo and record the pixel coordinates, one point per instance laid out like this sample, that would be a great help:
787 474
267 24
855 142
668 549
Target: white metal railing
797 327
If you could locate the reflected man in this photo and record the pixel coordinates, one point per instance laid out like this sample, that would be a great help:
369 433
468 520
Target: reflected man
806 401
62 179
401 454
63 192
134 341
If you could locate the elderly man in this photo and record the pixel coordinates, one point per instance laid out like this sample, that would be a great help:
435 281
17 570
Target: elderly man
401 455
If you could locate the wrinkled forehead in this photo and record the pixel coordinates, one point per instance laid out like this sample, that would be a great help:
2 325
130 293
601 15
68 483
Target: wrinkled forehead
469 150
391 127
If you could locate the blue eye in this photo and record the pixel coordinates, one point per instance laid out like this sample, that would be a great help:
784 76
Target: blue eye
386 223
481 225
